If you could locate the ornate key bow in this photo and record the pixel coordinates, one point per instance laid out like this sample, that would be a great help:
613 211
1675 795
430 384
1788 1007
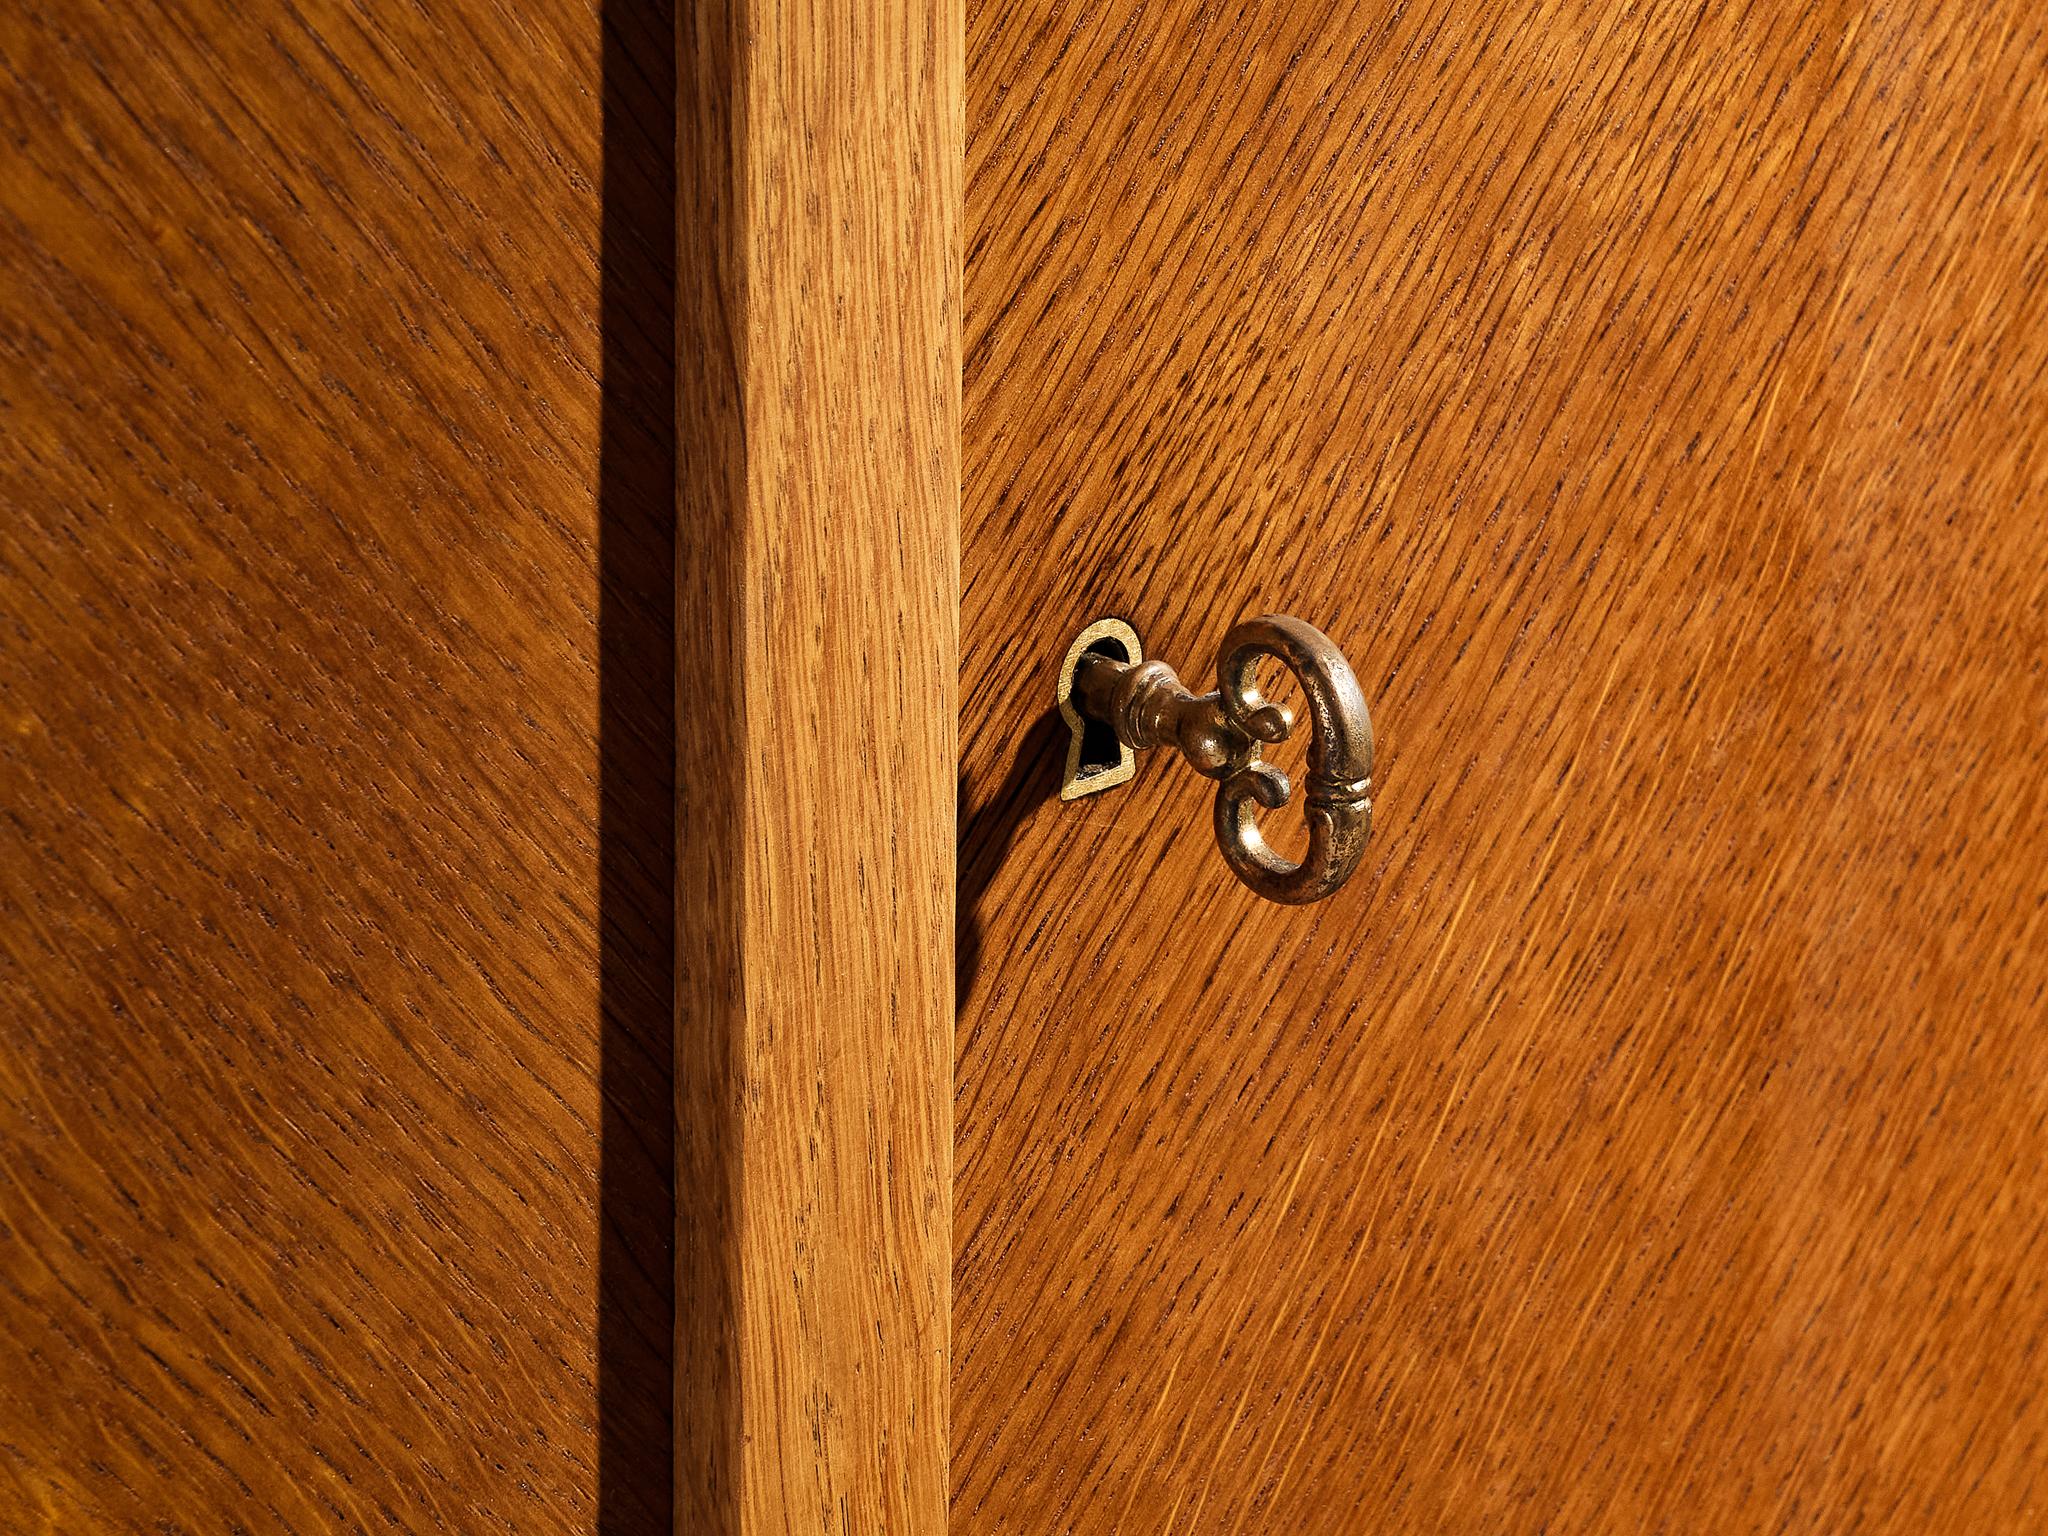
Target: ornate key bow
1115 702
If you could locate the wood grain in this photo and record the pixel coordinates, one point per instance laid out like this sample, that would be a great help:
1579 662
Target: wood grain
818 325
1650 399
336 637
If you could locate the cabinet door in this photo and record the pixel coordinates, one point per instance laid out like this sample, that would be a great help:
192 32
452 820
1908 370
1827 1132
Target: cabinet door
1650 401
336 649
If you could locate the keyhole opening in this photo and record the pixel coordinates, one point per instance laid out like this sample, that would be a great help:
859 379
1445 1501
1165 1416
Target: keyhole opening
1100 750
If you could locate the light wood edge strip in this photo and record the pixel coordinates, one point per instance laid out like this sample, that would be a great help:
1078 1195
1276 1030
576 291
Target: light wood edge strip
820 164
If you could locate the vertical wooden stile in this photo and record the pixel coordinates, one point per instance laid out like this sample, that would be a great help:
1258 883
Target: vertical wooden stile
819 169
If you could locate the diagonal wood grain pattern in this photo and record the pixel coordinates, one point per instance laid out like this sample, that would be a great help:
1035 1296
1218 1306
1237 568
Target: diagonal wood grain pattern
335 766
1650 399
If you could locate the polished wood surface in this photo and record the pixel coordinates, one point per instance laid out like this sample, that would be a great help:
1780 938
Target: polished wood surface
818 452
1650 400
336 638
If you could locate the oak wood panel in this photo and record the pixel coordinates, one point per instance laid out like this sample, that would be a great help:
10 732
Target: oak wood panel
818 452
1649 398
336 801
